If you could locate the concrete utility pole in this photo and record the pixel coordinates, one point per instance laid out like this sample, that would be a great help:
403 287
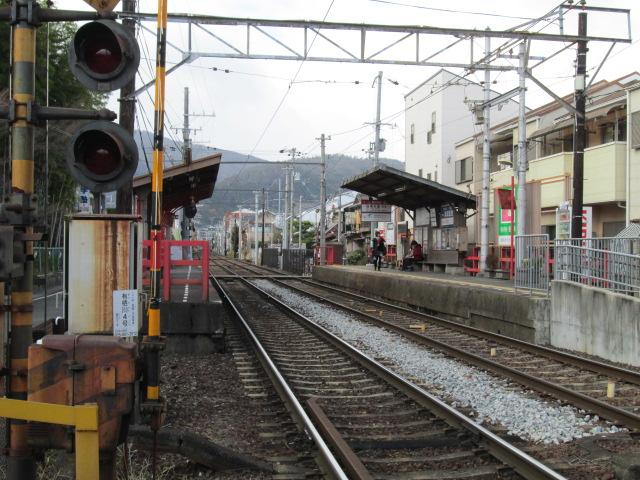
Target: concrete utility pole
264 206
376 151
124 195
486 162
186 140
523 164
579 130
292 175
300 223
285 221
323 200
255 234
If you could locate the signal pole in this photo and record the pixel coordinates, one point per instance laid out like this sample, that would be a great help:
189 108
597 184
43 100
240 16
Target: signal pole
21 464
124 195
264 206
255 232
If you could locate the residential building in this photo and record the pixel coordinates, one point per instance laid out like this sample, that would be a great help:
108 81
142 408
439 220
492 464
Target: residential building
437 115
609 156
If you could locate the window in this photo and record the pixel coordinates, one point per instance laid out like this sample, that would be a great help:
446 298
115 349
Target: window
464 170
413 132
429 138
420 172
433 122
635 130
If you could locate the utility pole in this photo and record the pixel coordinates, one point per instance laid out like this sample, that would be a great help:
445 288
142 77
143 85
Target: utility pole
255 235
285 221
376 147
579 130
186 140
264 206
323 200
292 175
486 162
523 164
300 223
124 195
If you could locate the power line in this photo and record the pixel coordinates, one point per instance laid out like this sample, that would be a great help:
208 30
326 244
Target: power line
286 93
447 10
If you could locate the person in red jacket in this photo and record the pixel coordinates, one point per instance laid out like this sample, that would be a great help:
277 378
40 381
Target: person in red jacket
414 256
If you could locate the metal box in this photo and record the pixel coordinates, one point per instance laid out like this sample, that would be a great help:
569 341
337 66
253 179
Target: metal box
103 253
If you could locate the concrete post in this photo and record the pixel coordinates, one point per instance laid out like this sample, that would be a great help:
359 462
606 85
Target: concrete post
486 163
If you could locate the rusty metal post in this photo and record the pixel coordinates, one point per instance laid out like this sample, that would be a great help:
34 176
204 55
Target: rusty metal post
21 465
153 342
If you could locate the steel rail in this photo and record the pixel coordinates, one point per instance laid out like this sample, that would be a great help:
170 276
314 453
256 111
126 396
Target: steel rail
598 367
283 389
525 465
585 402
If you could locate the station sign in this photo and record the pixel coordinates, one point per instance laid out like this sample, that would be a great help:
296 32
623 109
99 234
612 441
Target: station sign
376 211
125 313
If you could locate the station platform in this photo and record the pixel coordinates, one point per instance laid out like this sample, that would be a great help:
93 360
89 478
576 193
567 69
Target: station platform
485 303
193 318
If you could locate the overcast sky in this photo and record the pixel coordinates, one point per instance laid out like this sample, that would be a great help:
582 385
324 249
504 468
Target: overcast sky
325 98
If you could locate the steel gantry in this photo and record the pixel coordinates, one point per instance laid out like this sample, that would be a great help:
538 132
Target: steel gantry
237 38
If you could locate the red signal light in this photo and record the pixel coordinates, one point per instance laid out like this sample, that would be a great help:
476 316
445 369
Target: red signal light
102 156
103 55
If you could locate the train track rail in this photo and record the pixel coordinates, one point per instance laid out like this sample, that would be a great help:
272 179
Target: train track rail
377 424
580 381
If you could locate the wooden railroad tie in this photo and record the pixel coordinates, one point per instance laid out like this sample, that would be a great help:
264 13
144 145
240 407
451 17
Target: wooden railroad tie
422 327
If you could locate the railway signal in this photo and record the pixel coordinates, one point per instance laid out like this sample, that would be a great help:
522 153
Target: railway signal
103 55
102 156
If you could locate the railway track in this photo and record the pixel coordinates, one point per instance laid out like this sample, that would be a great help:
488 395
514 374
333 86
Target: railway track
579 381
377 424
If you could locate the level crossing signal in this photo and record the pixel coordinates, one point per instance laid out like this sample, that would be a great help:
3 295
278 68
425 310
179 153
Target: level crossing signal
103 56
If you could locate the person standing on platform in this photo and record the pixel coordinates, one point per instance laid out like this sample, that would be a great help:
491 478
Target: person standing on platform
414 256
379 250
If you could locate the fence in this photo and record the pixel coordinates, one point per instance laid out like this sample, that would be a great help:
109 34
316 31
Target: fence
54 263
297 261
169 278
271 257
532 263
610 263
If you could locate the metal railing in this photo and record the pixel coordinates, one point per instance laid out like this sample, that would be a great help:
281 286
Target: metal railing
610 263
297 261
532 263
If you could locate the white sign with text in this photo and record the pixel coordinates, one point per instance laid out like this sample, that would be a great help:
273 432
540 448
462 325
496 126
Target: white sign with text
125 313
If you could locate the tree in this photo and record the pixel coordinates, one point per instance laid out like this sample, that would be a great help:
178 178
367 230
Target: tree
64 91
308 232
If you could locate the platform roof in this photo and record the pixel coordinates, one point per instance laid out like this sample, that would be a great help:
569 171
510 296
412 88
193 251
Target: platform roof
406 190
181 182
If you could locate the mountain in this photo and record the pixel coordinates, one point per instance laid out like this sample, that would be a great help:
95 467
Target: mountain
236 182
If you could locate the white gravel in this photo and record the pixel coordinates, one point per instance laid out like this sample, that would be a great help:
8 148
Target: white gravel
490 398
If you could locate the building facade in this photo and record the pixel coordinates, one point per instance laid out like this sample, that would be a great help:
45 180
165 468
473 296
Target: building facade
611 162
437 115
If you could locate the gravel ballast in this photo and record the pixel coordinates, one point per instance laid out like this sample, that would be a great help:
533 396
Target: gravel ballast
491 399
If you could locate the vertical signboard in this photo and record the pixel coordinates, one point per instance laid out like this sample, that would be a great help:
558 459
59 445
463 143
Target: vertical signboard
125 313
505 217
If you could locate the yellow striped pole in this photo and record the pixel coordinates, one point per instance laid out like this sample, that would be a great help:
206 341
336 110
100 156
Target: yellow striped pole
154 341
20 463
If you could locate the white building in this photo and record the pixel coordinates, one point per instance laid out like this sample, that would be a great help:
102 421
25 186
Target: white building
437 116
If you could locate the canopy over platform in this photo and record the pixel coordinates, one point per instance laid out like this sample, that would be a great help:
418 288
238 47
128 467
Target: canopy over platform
183 183
406 190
